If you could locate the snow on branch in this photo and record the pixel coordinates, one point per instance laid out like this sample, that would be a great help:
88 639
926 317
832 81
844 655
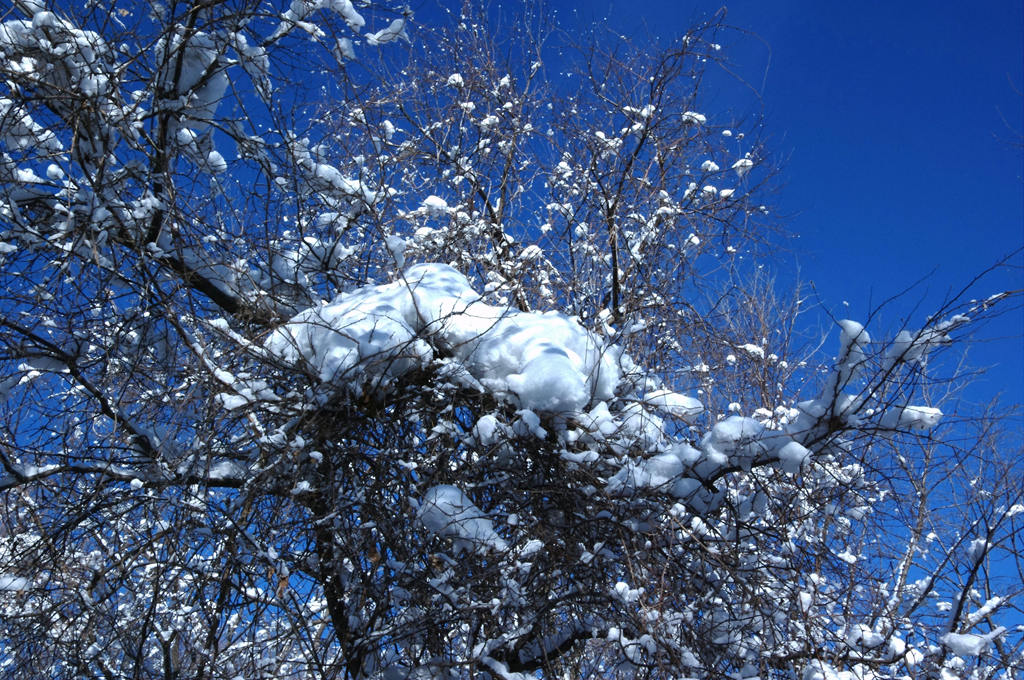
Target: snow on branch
544 362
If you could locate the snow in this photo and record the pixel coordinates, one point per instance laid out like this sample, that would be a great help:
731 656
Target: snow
487 430
641 427
847 556
862 636
255 62
753 350
550 381
852 340
853 344
914 347
663 472
446 511
301 9
394 31
9 582
970 644
544 362
396 247
626 594
736 440
913 658
21 131
679 405
233 401
513 397
326 179
215 162
201 80
920 417
531 252
742 166
527 424
227 470
912 418
435 206
344 49
793 456
362 331
988 607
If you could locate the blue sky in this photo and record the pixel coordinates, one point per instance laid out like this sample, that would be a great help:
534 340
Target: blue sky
899 129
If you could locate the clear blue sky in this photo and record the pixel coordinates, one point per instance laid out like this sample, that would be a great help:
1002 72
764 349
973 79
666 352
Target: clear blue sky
900 129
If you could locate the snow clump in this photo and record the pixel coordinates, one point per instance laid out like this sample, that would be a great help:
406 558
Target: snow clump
742 166
369 337
435 206
446 511
969 644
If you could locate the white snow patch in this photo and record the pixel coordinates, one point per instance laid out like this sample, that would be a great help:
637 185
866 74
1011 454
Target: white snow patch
673 403
847 556
753 350
793 456
396 247
215 162
394 31
446 511
344 49
742 166
545 361
912 418
435 206
9 582
970 644
862 636
626 594
664 472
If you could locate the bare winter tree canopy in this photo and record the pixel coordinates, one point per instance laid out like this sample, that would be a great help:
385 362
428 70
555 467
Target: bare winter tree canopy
335 345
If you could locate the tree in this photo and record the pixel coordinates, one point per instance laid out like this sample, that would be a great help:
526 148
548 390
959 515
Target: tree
382 372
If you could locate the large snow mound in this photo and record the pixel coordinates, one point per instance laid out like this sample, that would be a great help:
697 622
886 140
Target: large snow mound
366 338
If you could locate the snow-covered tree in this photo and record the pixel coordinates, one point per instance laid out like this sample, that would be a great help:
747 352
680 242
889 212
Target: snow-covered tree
330 348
